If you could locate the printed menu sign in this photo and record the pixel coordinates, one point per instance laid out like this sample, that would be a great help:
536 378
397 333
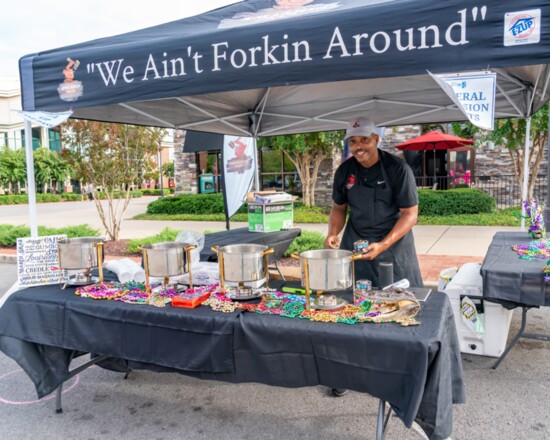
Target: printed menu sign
38 261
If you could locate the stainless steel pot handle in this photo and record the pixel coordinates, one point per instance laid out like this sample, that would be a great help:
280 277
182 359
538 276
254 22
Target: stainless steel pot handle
99 246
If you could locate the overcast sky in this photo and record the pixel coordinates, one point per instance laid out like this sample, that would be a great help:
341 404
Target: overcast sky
30 26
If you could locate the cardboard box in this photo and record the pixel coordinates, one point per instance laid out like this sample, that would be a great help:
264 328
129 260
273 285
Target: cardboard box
270 217
269 197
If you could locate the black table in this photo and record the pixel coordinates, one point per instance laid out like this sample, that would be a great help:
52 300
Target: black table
417 370
513 282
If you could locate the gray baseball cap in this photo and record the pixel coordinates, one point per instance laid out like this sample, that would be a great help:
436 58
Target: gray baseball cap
360 127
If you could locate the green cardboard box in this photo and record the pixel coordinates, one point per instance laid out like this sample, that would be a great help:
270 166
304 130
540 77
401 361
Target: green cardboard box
270 217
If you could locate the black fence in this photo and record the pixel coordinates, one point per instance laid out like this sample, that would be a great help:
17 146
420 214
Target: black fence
505 188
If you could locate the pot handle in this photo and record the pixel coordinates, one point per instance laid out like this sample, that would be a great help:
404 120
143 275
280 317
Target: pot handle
268 251
294 256
356 257
214 249
190 247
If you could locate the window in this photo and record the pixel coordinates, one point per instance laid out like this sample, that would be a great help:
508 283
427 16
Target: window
55 140
35 138
278 172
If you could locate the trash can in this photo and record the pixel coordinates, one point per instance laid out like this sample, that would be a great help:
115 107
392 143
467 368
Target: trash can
207 183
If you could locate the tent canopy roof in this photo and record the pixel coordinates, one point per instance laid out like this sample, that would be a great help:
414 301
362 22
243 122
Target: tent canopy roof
266 67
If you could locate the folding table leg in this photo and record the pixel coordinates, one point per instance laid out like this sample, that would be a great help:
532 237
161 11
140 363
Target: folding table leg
521 334
72 373
381 424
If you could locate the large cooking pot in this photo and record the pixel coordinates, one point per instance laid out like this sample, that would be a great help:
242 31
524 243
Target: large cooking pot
242 262
327 269
167 259
80 253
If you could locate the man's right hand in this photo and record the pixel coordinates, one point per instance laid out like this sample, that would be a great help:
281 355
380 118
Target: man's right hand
332 242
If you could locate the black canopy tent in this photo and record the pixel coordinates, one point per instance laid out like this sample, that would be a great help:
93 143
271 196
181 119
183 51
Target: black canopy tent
267 67
255 69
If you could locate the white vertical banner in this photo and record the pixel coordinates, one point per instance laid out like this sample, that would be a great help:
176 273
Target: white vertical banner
473 93
238 170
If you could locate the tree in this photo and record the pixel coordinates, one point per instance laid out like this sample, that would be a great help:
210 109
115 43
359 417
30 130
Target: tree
307 152
510 134
13 170
112 157
168 170
49 169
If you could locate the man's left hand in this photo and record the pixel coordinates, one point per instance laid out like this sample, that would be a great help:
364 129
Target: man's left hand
372 251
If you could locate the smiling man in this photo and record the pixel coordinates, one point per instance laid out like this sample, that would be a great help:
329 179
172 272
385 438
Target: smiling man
380 192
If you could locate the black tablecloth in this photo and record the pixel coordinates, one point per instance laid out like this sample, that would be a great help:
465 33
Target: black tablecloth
416 369
510 280
279 240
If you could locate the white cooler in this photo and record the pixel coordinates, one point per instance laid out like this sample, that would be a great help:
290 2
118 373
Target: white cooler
468 282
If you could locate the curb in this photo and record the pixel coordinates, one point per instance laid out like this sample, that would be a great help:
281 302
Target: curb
8 259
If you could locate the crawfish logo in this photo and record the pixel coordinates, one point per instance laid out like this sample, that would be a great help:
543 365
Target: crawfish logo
241 162
70 90
351 182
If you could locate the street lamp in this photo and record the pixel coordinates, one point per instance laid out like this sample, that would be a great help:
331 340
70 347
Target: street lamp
161 183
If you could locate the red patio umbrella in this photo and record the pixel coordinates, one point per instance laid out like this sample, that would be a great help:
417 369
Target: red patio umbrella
434 140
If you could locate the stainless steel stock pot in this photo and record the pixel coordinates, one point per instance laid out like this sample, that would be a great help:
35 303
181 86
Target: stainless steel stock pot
242 262
327 269
80 253
167 259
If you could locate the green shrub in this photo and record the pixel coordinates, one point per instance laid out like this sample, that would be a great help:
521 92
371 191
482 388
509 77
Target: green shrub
10 233
167 234
308 240
156 192
455 201
71 197
118 195
19 199
189 204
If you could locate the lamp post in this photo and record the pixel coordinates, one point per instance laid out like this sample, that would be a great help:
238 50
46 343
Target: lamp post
161 183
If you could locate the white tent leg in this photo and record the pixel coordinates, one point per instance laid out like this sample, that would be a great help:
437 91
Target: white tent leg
525 171
31 187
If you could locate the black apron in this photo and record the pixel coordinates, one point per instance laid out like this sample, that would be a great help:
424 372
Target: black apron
376 207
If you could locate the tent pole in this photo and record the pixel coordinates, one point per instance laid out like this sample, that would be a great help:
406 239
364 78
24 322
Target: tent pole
256 165
525 170
31 186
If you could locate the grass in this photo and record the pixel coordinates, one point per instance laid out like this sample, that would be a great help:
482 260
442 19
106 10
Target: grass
306 241
301 215
504 217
